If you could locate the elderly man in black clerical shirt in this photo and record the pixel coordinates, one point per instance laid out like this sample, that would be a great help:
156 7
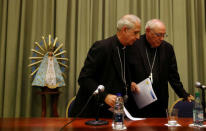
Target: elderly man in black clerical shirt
152 57
106 66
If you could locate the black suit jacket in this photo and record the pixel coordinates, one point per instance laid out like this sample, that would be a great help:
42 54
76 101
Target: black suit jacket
101 67
168 72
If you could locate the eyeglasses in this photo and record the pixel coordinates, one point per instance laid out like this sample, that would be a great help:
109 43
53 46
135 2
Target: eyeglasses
160 34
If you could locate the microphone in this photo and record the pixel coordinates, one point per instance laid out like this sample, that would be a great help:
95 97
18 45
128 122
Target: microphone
199 85
99 89
97 122
202 87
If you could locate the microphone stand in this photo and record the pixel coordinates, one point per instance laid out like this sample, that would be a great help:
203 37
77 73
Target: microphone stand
203 102
97 122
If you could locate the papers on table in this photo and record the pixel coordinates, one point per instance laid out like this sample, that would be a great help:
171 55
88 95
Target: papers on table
192 125
146 95
128 115
173 125
131 117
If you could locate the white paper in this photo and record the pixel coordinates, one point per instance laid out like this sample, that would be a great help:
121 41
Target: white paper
128 115
192 125
131 117
146 95
172 125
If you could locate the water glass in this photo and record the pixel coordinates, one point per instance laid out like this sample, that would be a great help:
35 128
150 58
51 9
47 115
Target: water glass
172 117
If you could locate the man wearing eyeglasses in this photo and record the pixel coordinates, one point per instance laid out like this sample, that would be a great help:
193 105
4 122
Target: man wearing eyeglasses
152 57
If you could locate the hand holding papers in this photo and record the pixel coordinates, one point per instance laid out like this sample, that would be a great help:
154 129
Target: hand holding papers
146 94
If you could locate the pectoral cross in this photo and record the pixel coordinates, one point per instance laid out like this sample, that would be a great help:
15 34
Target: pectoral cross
150 77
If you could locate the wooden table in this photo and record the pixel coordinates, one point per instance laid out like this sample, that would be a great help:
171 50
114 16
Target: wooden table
55 124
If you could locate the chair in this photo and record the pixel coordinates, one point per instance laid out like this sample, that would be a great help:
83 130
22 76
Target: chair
69 106
185 108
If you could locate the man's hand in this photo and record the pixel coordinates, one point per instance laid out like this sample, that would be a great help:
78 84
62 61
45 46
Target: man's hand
190 98
134 87
110 100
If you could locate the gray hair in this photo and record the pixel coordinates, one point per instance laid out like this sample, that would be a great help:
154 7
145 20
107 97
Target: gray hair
152 23
128 21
